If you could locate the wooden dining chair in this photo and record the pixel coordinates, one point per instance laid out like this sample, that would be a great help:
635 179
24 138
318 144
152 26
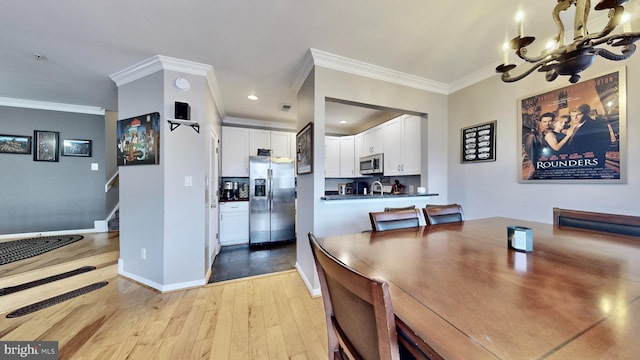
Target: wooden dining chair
359 314
443 214
391 220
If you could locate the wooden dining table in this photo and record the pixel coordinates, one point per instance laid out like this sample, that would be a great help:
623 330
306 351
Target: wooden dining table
459 292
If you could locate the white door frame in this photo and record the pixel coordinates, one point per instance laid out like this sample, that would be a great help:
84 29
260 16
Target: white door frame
213 241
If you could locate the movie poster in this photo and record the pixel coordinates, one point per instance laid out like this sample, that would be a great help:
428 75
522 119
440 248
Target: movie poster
573 134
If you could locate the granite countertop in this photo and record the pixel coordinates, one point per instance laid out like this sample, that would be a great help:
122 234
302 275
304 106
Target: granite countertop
372 197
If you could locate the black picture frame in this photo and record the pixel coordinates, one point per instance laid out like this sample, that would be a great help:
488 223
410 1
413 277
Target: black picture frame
46 145
304 150
76 147
478 143
15 144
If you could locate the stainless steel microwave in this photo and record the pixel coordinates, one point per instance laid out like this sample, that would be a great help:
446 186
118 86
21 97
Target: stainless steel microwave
371 164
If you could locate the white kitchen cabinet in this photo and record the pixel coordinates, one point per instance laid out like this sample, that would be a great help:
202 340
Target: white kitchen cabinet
234 223
235 151
281 144
332 156
259 139
402 146
347 163
357 153
373 140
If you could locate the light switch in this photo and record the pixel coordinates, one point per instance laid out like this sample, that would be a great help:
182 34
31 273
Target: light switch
94 166
188 181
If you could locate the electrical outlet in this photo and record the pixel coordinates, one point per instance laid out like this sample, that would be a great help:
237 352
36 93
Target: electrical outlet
143 254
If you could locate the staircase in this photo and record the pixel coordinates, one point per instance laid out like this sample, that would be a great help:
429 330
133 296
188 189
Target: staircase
106 268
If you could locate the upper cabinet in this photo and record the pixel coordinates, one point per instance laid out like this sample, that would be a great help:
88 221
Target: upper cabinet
373 140
235 152
347 156
281 144
357 152
240 143
402 146
331 156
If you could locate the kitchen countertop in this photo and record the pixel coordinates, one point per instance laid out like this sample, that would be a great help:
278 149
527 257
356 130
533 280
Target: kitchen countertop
373 197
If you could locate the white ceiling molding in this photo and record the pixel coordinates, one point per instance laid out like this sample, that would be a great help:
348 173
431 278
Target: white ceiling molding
340 63
252 123
212 82
307 66
160 62
44 105
473 78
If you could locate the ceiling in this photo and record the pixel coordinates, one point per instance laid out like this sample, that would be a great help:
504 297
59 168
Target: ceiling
254 46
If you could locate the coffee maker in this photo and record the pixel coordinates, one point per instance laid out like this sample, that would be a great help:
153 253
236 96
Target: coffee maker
227 193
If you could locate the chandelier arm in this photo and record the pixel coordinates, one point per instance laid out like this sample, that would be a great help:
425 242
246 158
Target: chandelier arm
522 54
627 51
615 14
506 77
610 40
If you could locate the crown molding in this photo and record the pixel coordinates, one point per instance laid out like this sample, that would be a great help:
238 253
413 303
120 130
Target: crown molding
44 105
155 64
160 62
340 63
306 68
253 123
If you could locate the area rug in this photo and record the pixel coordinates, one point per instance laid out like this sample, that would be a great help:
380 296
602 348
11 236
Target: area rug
32 284
56 300
15 250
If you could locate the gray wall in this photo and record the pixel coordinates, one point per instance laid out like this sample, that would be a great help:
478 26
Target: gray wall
51 196
492 188
158 211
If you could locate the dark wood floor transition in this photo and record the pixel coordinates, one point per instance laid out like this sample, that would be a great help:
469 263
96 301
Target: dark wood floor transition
239 261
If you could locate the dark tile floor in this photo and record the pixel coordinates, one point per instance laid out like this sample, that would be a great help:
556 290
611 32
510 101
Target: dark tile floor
238 261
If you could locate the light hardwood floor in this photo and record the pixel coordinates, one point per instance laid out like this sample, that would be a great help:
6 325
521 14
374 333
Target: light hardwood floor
266 317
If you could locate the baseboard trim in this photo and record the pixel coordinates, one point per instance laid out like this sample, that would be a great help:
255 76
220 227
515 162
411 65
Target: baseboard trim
313 291
157 286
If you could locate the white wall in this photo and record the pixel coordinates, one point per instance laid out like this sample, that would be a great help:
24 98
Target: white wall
492 188
327 218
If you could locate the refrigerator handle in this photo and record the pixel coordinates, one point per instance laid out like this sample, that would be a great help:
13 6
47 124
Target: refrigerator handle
270 191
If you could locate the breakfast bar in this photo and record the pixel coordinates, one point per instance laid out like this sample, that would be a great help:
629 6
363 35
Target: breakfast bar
459 291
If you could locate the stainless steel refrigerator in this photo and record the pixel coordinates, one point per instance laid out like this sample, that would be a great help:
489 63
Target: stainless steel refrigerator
271 199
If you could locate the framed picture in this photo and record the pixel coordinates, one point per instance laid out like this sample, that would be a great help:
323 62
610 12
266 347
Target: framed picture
304 149
15 144
478 143
45 145
75 147
575 134
139 140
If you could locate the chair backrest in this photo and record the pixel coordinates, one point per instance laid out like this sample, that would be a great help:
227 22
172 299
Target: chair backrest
595 221
390 220
359 314
442 214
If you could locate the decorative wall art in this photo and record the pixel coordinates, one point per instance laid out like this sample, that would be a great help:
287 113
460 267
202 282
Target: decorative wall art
46 145
479 143
76 147
304 149
15 144
139 140
575 134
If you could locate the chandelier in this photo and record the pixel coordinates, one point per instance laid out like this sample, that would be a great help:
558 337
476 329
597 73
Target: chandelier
571 59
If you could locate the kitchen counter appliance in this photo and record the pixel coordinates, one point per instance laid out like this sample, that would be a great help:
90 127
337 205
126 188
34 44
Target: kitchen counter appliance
271 200
371 164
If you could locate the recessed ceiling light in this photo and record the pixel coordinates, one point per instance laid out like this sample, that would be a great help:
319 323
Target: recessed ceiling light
252 97
343 121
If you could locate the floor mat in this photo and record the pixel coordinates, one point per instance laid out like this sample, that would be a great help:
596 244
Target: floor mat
15 250
56 299
13 289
